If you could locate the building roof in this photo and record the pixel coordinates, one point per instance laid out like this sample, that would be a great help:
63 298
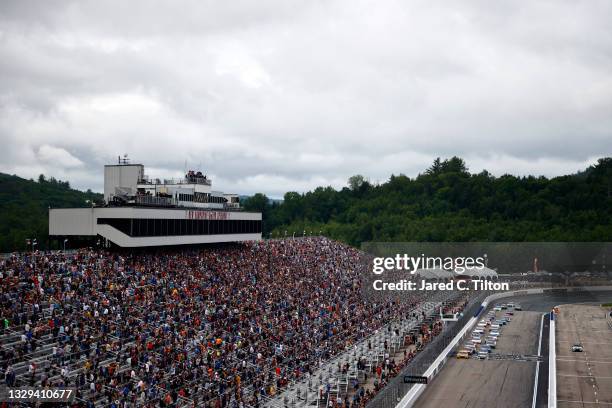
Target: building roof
435 273
483 272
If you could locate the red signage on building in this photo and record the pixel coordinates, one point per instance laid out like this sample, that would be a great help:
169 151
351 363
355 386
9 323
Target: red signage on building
206 215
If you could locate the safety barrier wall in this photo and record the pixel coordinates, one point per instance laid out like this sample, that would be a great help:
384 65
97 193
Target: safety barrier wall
534 400
396 388
415 392
552 365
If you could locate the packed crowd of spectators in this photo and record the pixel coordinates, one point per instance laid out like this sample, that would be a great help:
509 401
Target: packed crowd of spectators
222 326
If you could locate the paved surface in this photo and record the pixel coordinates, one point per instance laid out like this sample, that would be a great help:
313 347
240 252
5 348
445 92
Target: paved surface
542 372
451 389
521 335
545 302
490 383
583 379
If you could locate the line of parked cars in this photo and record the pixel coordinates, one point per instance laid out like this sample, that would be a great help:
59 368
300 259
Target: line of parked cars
484 337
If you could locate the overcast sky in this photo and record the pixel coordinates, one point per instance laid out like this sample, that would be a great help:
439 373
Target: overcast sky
277 96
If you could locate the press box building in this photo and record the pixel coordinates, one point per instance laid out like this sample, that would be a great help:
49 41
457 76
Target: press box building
144 212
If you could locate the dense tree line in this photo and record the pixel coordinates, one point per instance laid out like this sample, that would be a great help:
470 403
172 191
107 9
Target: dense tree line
448 203
444 203
24 206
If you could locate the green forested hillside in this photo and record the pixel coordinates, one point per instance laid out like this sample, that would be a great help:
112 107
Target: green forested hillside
444 203
448 203
24 208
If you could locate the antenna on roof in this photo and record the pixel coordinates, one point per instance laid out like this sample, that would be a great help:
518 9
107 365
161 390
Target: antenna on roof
124 160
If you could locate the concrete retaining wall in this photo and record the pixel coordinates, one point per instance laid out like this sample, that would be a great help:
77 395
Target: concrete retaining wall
552 365
415 392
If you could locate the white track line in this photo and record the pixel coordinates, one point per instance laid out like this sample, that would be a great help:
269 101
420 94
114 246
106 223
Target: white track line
535 384
585 361
582 376
586 342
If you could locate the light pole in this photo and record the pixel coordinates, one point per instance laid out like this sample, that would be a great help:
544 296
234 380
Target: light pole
65 240
34 243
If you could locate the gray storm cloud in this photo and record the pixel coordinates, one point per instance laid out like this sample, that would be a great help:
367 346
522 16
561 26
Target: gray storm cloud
275 96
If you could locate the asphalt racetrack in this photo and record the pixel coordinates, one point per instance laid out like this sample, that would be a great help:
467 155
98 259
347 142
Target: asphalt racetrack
490 383
509 383
583 378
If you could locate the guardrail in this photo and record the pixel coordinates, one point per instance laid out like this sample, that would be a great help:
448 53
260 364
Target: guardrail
552 365
396 388
535 387
415 392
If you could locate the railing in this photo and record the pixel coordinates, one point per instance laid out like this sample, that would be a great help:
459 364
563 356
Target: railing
423 362
552 365
154 201
185 180
416 389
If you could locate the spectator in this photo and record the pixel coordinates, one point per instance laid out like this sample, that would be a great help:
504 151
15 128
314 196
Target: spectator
211 325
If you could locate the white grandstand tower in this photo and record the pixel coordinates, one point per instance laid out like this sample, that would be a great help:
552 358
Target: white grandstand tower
144 212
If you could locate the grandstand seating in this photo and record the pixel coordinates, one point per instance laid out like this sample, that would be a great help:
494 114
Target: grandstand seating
277 323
